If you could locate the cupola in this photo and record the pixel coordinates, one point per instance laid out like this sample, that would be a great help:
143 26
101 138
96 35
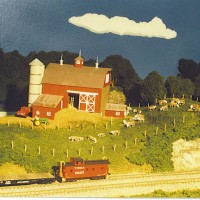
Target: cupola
79 61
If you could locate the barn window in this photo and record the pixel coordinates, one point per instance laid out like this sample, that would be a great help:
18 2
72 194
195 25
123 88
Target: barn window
37 112
48 113
117 113
107 78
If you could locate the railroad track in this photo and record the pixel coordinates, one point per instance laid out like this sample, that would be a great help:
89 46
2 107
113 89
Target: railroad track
115 186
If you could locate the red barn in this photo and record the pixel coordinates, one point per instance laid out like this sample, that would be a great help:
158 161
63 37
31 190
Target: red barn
116 110
87 88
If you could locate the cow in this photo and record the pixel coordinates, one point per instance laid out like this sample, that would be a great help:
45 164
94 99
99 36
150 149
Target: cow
137 111
92 138
162 102
138 117
129 124
101 135
116 132
150 108
195 107
175 100
75 138
164 108
173 104
182 102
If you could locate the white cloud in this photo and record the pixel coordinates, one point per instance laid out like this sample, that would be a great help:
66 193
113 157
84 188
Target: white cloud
123 26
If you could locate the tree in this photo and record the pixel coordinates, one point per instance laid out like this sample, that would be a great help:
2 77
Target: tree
178 86
197 88
153 87
188 69
123 75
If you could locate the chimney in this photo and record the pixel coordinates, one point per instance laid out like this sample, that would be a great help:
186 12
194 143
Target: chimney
97 63
61 59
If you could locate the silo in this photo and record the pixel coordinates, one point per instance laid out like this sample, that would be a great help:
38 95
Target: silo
35 81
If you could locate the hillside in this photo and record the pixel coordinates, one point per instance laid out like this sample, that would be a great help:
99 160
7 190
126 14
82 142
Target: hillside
144 148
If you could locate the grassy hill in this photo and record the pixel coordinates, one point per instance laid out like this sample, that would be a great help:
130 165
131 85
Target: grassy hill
143 148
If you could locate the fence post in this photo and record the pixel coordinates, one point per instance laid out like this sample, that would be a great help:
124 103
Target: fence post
111 121
114 147
91 152
126 144
135 140
79 151
165 126
174 122
156 130
95 125
39 150
53 152
106 125
183 118
145 134
25 147
103 149
67 153
12 144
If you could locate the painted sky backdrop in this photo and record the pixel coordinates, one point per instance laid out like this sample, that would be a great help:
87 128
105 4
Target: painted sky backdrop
152 34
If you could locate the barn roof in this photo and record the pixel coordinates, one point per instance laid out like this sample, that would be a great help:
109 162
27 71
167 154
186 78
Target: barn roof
48 100
115 107
69 75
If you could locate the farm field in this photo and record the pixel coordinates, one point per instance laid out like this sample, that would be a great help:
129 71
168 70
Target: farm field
146 147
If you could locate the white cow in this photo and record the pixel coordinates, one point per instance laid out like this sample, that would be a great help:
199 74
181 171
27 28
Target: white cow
75 138
92 138
138 117
129 124
116 132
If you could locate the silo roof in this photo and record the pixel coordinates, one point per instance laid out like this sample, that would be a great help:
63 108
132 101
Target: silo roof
36 62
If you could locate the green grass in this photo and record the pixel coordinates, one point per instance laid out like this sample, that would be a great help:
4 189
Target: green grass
57 139
177 194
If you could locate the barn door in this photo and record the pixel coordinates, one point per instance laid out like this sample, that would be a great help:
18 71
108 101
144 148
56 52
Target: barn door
87 102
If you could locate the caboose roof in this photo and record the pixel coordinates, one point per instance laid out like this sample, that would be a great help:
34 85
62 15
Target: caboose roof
69 75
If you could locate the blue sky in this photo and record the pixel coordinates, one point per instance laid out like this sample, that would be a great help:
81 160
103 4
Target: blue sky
35 25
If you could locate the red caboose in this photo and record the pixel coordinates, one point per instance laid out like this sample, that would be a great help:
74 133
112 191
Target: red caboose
77 168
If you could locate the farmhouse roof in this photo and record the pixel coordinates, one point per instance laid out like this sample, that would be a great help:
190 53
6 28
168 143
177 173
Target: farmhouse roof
48 100
69 75
115 107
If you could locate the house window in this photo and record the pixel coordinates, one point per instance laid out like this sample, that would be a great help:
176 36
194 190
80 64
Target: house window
78 62
37 112
107 78
49 114
117 113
